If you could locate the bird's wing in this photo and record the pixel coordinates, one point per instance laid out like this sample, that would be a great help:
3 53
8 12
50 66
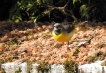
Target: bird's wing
68 28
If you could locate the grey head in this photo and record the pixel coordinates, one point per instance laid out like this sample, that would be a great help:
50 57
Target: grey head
58 28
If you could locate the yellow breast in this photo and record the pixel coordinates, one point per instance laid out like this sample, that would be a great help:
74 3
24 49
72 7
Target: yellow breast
63 37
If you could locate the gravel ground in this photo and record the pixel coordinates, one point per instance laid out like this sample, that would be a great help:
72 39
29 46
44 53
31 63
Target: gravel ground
25 41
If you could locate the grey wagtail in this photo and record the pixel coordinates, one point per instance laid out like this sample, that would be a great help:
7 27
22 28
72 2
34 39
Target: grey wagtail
63 33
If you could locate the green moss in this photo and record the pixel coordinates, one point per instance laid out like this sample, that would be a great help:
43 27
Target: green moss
101 45
70 66
57 45
46 35
2 70
96 56
19 71
29 65
103 63
76 51
13 42
28 34
1 61
43 67
90 59
9 59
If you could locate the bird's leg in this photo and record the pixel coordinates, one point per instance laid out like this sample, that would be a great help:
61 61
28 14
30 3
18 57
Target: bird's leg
68 46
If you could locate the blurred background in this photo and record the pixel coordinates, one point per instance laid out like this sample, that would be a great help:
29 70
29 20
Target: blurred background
52 10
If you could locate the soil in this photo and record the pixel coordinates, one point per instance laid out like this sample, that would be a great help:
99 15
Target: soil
26 41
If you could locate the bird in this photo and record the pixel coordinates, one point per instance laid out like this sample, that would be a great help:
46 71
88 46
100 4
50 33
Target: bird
63 33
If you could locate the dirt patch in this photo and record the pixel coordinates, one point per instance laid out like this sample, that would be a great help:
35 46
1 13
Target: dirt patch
28 42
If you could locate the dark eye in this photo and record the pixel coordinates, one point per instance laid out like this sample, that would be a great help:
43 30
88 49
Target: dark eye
57 26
